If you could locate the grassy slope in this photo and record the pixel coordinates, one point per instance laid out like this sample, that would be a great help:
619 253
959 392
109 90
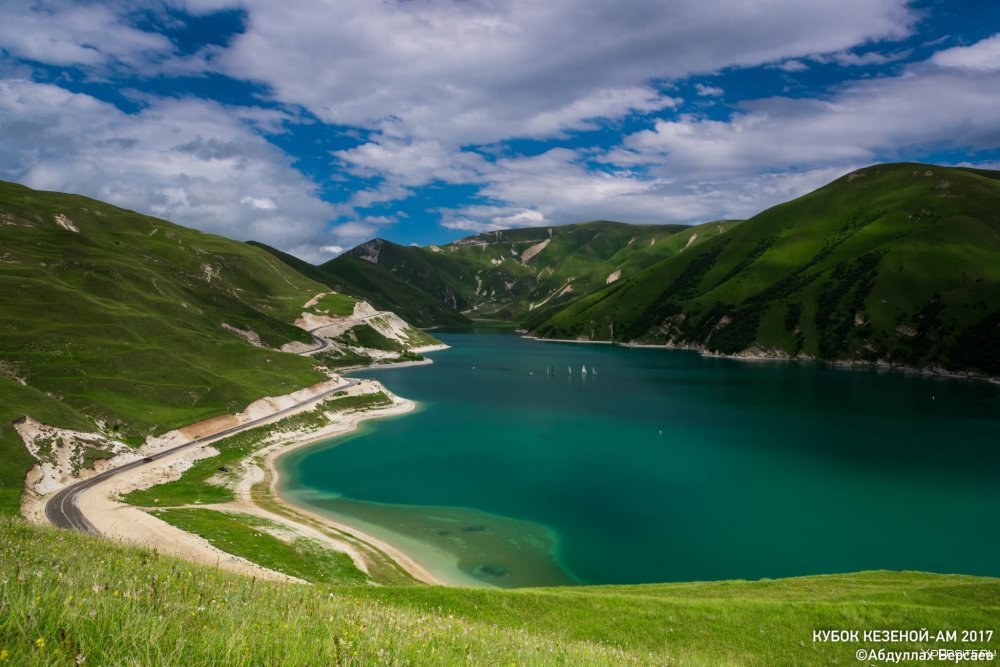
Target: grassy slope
896 262
248 536
376 285
483 276
122 321
66 594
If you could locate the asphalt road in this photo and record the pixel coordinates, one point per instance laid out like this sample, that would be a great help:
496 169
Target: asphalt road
62 510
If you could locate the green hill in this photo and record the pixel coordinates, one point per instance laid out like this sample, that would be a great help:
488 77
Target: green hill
66 595
120 321
512 275
894 263
377 286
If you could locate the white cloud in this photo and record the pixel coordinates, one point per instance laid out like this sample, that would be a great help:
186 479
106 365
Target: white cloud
430 79
409 163
190 161
333 249
462 73
492 218
850 59
693 169
556 188
464 224
861 122
262 203
981 56
793 66
354 232
68 33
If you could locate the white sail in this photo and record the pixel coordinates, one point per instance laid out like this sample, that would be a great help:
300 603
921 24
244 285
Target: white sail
583 370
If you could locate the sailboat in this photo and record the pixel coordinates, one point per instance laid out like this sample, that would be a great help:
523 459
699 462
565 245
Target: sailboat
583 370
593 371
570 369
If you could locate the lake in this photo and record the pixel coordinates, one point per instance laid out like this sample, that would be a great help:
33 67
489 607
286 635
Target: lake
662 465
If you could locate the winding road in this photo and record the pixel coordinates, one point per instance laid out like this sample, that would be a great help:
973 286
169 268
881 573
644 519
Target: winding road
62 509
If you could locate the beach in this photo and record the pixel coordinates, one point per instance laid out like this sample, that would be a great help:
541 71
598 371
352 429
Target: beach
256 491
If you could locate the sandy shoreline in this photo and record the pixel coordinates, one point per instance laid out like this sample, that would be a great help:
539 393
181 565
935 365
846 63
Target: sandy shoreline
117 520
349 425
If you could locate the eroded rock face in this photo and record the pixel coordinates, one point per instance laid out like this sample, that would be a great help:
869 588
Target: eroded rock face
64 456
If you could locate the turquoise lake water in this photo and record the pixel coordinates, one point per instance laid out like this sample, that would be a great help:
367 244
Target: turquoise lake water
664 466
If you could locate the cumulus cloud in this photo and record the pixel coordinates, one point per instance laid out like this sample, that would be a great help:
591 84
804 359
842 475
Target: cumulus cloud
793 66
263 203
474 73
982 56
491 218
562 190
411 162
436 89
191 161
862 121
693 168
69 33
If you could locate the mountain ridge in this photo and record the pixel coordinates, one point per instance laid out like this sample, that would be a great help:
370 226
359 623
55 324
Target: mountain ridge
794 281
891 265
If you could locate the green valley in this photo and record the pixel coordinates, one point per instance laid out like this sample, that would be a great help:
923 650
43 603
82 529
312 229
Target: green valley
507 275
893 264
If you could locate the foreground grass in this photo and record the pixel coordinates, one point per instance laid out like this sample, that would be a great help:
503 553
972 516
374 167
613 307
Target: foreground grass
63 594
264 543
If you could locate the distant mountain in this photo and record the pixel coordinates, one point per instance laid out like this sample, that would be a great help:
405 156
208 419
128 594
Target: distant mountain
511 276
896 263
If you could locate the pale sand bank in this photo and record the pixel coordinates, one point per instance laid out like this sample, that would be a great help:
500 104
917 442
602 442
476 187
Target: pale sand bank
131 524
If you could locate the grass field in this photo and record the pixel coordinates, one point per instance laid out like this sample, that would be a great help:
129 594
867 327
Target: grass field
263 542
65 595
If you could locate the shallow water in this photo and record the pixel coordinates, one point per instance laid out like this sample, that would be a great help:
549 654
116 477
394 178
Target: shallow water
664 466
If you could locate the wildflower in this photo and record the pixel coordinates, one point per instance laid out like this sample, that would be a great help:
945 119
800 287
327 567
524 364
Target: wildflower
4 654
80 659
40 642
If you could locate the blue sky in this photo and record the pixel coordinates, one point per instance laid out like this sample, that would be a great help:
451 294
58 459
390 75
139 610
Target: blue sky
313 126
